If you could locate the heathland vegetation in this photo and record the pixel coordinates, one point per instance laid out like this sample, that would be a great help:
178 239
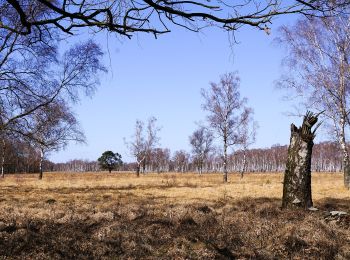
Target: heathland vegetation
172 215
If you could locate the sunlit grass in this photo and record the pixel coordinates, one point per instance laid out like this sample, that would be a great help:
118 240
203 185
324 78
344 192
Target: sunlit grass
168 216
184 187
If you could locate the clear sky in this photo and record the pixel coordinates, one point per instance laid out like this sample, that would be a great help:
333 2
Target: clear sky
163 78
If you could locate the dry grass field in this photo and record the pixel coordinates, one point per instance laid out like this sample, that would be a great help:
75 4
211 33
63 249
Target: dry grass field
168 216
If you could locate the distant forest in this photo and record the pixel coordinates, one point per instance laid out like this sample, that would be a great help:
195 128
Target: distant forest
20 157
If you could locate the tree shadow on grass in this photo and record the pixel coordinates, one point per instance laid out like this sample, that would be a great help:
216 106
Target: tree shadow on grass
247 228
330 204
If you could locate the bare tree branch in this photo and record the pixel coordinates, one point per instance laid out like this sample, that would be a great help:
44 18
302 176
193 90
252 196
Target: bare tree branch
126 17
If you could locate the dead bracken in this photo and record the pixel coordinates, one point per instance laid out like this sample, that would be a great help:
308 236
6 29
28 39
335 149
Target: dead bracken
153 220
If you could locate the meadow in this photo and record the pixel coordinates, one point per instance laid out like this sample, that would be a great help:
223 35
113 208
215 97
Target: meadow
169 216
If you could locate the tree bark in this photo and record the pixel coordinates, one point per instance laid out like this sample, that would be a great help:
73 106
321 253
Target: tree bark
346 161
225 161
3 158
347 174
344 115
138 170
200 165
144 166
41 164
244 164
297 176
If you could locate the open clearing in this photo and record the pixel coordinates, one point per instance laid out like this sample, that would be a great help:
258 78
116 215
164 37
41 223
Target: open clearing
169 216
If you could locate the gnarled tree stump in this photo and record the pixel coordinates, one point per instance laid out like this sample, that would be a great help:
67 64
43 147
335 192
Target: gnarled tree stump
297 176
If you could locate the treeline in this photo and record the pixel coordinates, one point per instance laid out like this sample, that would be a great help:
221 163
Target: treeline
21 157
326 158
76 166
18 156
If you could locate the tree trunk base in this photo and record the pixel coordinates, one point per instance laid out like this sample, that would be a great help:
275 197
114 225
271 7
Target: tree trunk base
347 177
225 177
297 176
138 171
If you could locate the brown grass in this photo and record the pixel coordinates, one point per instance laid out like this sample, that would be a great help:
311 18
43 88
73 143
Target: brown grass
172 216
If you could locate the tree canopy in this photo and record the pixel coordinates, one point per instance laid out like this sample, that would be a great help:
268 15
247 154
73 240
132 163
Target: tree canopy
110 161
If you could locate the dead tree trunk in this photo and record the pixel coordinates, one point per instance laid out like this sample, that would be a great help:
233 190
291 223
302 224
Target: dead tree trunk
346 160
297 176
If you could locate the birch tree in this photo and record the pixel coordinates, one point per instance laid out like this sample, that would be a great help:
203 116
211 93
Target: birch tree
143 142
201 141
227 113
319 72
33 76
33 73
181 161
160 159
51 129
248 137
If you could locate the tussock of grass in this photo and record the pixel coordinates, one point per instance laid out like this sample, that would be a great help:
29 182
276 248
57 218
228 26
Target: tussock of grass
168 216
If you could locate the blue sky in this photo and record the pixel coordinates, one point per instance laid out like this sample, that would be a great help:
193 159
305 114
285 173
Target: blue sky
163 78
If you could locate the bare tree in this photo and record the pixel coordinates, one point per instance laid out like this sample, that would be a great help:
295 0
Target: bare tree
51 129
137 146
127 17
33 73
248 137
33 76
143 143
160 159
181 161
201 141
227 113
152 138
319 72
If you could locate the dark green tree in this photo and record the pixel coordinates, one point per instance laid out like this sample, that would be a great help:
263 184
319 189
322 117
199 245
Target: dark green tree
110 161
